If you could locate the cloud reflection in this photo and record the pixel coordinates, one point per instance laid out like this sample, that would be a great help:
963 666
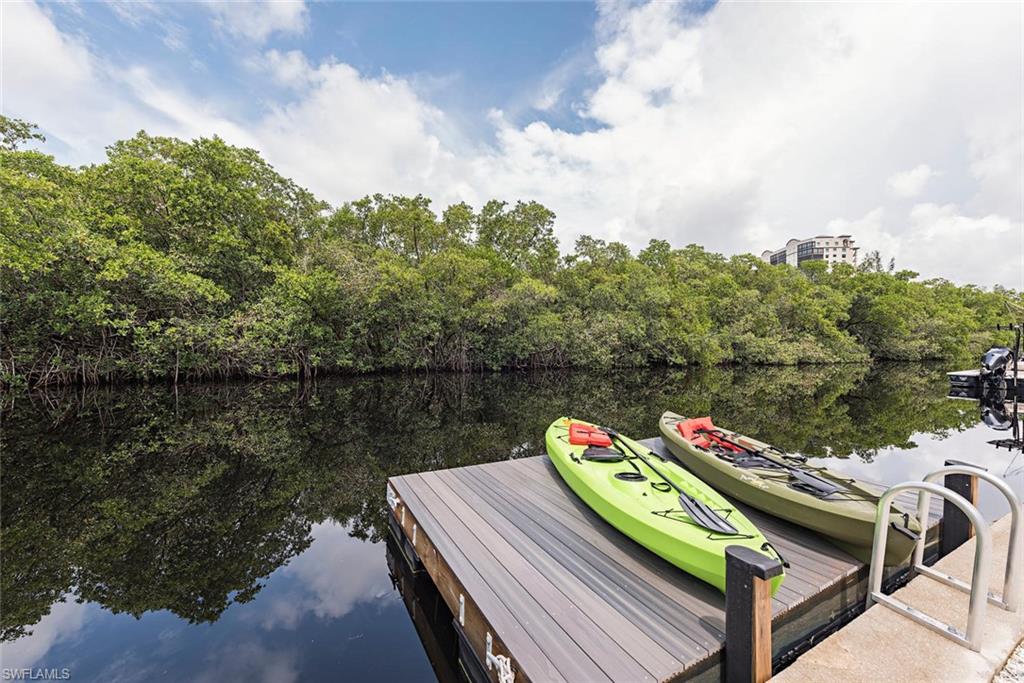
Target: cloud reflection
251 662
64 622
335 574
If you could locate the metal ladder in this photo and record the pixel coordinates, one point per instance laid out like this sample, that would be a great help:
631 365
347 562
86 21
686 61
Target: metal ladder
978 587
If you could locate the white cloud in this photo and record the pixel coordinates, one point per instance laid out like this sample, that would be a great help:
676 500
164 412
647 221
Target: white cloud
941 241
737 130
44 71
83 102
547 98
290 69
259 20
910 183
762 122
551 92
63 622
350 136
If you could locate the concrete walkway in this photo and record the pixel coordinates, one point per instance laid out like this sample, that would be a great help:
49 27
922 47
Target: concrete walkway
883 645
1013 672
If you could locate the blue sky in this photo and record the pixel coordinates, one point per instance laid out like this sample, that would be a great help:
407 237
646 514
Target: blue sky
468 57
732 125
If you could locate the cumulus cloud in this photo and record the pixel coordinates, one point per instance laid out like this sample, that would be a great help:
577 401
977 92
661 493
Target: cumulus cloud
259 20
941 241
736 129
718 131
290 69
910 183
351 135
84 102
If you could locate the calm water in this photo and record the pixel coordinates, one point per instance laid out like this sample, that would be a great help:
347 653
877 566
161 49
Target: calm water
236 531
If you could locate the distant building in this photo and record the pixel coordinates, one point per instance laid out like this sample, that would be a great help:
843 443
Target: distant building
828 248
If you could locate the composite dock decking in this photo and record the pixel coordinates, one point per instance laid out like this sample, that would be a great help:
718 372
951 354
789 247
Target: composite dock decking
515 554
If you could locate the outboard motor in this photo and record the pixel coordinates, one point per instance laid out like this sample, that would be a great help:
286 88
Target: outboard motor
995 361
993 414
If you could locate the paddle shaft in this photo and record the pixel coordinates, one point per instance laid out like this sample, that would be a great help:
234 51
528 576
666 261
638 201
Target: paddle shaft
795 471
701 513
617 437
647 463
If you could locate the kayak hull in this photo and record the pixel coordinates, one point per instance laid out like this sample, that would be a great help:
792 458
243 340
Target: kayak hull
847 518
652 517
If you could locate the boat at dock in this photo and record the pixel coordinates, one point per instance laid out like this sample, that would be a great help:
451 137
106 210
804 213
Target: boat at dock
786 486
655 502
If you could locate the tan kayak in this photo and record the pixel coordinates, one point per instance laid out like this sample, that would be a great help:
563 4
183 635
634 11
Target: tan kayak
785 486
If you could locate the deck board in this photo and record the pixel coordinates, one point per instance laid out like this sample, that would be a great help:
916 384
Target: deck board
528 652
565 653
621 586
648 603
537 593
570 597
579 598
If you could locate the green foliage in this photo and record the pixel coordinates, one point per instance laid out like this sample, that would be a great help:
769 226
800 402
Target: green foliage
15 132
197 260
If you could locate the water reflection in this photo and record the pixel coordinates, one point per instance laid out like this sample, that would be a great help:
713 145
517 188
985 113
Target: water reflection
232 530
332 605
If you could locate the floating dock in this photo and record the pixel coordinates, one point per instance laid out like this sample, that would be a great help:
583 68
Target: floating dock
531 574
970 383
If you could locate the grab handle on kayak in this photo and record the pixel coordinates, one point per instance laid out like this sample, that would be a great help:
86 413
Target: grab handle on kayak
767 545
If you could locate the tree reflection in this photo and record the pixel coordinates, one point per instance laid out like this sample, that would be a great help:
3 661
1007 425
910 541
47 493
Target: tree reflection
144 498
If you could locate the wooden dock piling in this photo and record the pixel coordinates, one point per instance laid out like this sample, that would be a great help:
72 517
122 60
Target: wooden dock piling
748 614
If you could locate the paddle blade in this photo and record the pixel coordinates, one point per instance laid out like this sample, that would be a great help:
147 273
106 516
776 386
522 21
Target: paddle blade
704 516
821 487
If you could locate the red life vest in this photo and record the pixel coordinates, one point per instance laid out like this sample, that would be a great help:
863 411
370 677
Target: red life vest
585 435
693 430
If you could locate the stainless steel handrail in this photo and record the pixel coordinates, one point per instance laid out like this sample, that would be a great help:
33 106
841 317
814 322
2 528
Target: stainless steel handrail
1010 598
979 578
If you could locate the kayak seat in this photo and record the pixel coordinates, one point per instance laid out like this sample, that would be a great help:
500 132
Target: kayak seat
599 454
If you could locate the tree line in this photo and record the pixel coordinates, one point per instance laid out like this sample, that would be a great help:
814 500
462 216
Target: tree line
195 259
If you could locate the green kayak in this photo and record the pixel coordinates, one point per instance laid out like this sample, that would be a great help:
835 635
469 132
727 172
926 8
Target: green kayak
655 502
783 485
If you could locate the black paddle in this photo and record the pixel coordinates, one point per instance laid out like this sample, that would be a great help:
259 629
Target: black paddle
700 513
819 485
